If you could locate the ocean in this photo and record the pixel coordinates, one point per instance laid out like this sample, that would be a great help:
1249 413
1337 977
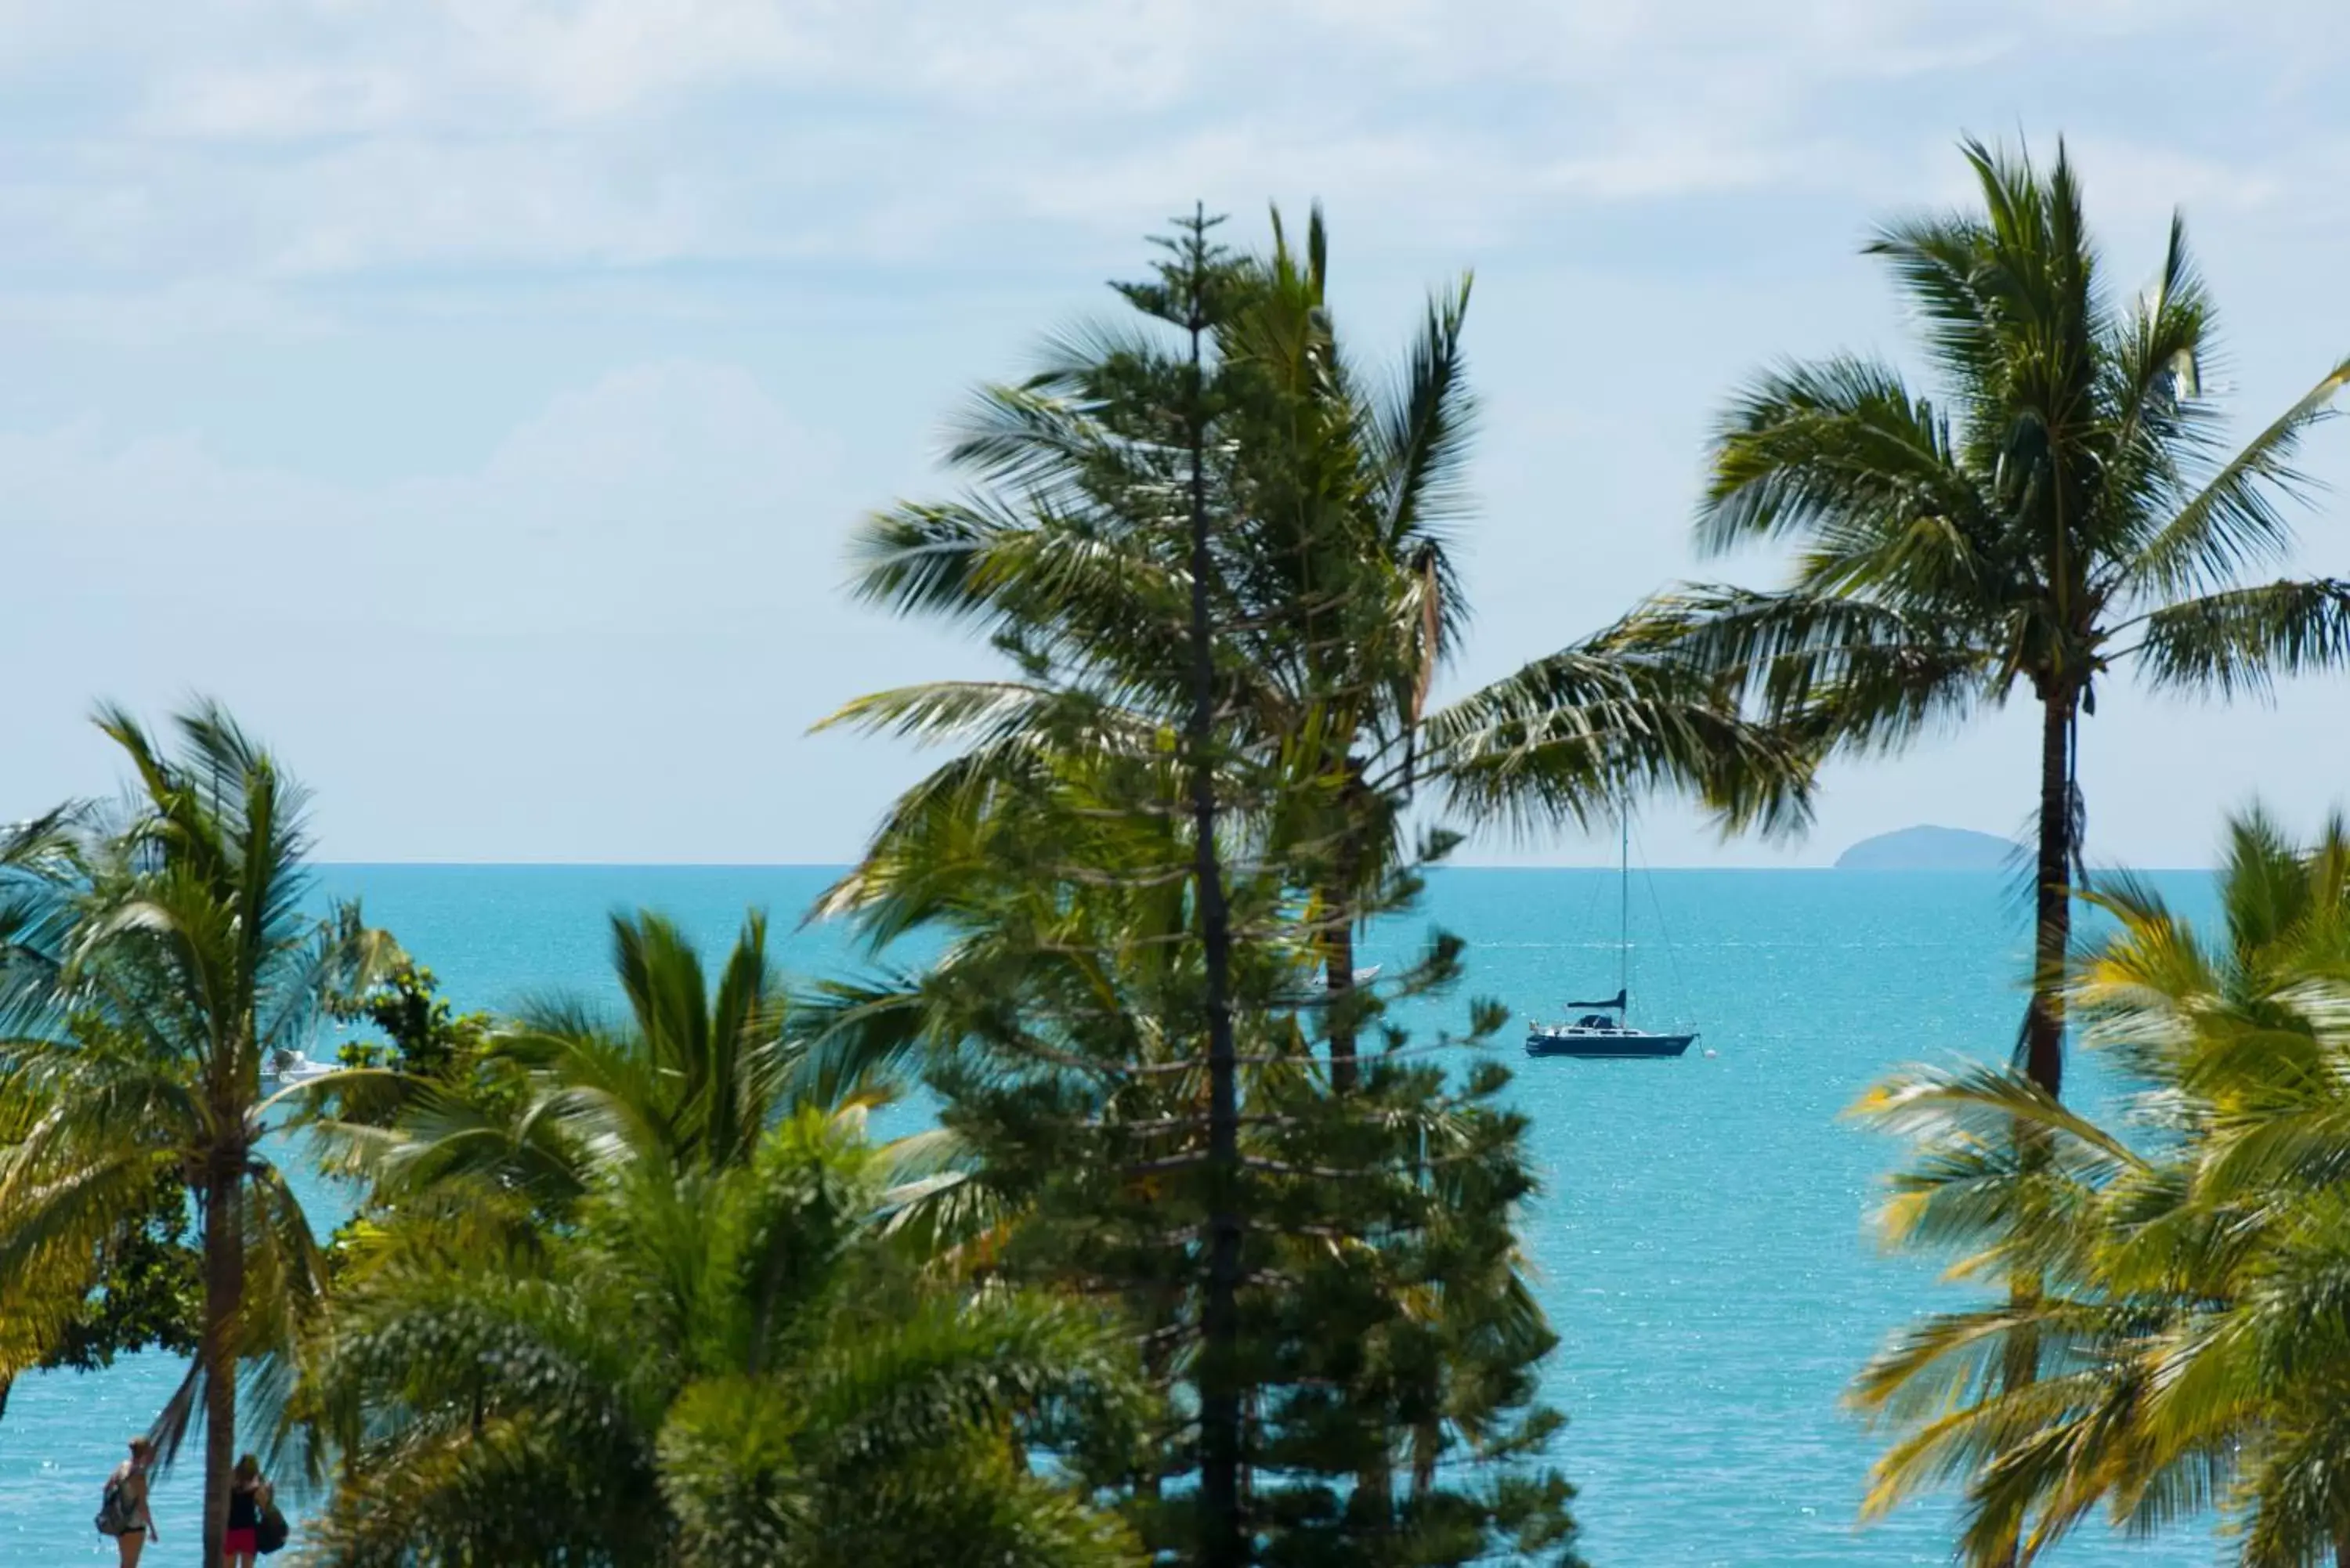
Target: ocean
1700 1241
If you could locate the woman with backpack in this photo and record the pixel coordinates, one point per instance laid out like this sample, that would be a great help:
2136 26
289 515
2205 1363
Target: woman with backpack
249 1497
122 1512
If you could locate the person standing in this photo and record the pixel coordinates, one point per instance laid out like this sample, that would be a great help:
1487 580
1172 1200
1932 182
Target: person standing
123 1512
249 1502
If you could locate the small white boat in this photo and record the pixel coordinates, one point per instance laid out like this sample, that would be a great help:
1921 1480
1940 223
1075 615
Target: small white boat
286 1069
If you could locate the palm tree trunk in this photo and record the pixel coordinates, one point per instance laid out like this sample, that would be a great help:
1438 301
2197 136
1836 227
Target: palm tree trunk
2043 1021
1338 979
2044 1025
224 1302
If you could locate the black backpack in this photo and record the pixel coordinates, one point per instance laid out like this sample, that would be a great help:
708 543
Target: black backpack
115 1514
270 1534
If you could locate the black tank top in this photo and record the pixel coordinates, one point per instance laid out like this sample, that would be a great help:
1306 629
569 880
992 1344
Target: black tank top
244 1509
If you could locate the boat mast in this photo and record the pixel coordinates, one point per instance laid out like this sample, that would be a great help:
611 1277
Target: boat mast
1623 910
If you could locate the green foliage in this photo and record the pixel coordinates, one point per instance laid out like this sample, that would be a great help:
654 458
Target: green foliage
2192 1264
2062 507
147 1289
156 957
513 1121
422 1037
78 1305
712 1366
1389 1342
1386 1345
635 1217
1335 492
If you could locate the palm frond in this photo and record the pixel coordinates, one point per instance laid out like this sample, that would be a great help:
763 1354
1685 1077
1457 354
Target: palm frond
2232 521
1841 450
1831 670
1564 740
1418 435
2242 639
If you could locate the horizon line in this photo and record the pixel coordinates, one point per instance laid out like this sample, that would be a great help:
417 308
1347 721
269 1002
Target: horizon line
429 864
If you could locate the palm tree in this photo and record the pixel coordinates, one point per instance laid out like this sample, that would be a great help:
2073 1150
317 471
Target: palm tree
715 1365
2012 1185
110 1284
2067 508
45 1292
1334 600
157 957
46 1289
2190 1317
2246 1038
508 1139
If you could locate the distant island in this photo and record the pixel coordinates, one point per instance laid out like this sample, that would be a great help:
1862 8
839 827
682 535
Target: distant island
1928 850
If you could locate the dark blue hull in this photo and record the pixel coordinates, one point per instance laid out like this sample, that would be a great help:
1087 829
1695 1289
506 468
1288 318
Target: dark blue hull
1601 1043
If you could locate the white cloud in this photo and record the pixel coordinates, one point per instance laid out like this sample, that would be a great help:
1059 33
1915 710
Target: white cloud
283 223
663 497
642 582
234 144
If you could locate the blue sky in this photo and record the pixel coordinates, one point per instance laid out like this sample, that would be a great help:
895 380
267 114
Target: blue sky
476 394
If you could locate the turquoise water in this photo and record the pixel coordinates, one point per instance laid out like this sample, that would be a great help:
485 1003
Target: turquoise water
1701 1241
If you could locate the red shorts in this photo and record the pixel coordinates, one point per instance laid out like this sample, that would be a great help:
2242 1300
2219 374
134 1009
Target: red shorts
234 1541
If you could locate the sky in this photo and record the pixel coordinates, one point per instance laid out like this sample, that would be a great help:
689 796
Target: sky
477 395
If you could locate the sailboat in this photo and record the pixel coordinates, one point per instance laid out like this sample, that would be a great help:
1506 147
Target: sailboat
1606 1030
